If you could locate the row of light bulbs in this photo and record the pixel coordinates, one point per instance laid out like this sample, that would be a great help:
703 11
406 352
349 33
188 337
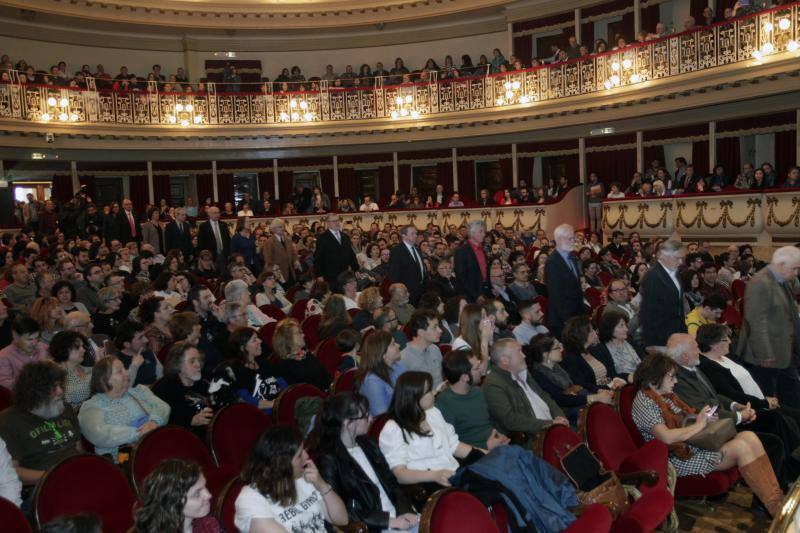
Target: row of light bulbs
183 115
767 48
405 108
512 89
60 107
300 110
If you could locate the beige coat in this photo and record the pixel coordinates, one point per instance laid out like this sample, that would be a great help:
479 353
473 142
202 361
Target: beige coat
276 254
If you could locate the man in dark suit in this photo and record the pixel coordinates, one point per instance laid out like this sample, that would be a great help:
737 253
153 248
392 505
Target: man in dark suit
215 237
127 224
334 253
406 266
661 311
178 236
471 265
562 275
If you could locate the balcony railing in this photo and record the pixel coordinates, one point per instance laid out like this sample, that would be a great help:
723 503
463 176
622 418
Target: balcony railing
745 39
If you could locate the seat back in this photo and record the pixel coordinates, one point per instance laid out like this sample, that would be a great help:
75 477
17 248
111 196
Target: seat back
226 504
345 382
554 442
167 442
593 296
731 317
12 518
445 349
291 292
607 435
353 312
6 398
233 432
85 484
737 288
273 311
451 510
283 408
310 327
624 408
377 426
266 332
605 277
298 311
329 355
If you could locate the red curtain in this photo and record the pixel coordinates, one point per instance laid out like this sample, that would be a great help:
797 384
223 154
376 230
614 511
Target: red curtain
347 183
523 49
385 183
62 188
785 152
727 155
696 10
507 168
205 188
611 166
284 185
627 28
326 180
403 182
587 35
466 179
88 182
140 195
444 175
572 168
225 188
650 17
525 170
651 153
700 157
161 188
266 182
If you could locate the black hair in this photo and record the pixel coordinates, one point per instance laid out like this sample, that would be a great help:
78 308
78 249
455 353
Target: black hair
456 364
420 320
715 301
347 339
126 331
58 285
63 342
25 325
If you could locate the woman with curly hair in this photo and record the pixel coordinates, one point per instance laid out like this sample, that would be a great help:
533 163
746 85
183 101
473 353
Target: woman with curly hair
155 313
67 348
283 489
48 313
175 499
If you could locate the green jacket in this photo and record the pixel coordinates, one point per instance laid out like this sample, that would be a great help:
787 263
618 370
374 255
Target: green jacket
509 408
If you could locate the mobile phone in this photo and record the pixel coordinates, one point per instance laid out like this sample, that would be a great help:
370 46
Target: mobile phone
712 411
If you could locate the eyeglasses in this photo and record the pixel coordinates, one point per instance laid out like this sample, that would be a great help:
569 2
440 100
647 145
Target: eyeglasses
364 416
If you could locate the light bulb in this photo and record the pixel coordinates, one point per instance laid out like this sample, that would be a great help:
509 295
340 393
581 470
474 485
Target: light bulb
615 66
73 117
303 104
62 117
51 101
198 119
516 85
293 103
607 84
784 24
46 117
767 48
507 85
178 107
409 99
295 116
414 113
792 46
635 78
524 99
627 63
172 119
184 123
284 116
64 102
308 117
394 114
189 108
756 55
404 112
398 100
768 27
615 79
500 101
509 95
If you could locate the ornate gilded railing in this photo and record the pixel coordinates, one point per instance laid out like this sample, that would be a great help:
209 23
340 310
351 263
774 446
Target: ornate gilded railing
745 39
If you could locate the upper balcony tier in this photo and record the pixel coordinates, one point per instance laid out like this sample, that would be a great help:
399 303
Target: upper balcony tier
738 60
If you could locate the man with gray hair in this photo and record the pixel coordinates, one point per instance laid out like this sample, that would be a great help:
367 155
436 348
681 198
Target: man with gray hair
279 250
215 237
471 264
770 338
405 264
661 311
562 274
178 235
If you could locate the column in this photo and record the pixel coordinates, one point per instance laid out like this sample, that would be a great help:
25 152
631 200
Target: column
76 184
713 5
3 182
454 157
581 159
640 162
214 181
510 37
637 16
578 26
712 146
797 139
395 172
514 166
275 178
336 176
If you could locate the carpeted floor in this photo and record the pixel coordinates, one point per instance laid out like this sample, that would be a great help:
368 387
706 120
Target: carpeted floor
727 514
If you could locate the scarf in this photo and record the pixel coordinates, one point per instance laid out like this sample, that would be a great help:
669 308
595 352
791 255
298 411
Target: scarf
672 419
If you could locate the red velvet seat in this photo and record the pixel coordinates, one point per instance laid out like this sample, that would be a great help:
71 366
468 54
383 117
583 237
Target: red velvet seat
731 317
605 278
329 355
596 518
6 398
283 409
310 327
298 311
353 312
174 442
643 515
12 518
85 484
445 349
713 484
737 289
226 504
266 332
181 306
593 296
233 431
450 510
345 382
273 311
163 352
291 292
385 282
377 426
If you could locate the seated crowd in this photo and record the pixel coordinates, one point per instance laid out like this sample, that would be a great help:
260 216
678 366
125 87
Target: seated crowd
294 80
460 340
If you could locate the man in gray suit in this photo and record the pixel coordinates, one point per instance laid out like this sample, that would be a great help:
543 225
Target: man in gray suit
770 338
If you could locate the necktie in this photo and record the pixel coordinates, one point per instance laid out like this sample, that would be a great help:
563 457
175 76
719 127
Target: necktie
417 261
338 237
702 379
132 224
217 236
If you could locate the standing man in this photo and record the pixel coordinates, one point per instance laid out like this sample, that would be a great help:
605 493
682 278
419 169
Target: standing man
127 224
770 338
215 237
406 266
279 250
562 274
661 311
334 253
178 235
471 266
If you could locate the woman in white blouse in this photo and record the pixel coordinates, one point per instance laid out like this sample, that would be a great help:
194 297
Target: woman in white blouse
419 445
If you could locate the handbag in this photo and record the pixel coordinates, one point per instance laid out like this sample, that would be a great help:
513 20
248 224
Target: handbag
713 436
593 483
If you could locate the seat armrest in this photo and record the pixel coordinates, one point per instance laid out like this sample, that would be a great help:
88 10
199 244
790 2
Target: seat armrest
646 477
355 527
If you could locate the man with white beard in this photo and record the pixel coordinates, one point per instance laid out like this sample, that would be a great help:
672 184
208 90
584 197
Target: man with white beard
40 429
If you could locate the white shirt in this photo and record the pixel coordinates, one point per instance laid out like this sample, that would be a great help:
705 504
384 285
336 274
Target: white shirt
10 485
245 213
460 344
421 453
358 455
540 408
306 515
217 234
673 275
372 206
349 303
748 384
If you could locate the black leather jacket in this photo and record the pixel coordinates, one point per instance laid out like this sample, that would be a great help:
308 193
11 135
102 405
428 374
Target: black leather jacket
357 491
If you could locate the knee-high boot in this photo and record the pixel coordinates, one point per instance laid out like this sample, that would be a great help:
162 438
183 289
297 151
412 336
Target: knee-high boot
761 479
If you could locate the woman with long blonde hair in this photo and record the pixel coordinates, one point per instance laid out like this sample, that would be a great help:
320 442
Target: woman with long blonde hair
48 313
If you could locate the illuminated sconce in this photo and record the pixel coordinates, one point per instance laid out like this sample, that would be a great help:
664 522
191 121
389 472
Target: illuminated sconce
615 66
512 93
52 101
784 24
768 27
405 108
46 117
184 115
64 102
767 48
299 110
793 46
627 63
